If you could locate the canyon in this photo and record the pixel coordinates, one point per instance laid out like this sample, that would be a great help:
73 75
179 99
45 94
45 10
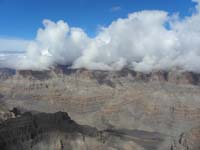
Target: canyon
133 110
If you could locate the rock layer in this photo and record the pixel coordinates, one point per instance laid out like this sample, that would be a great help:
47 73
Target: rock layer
160 101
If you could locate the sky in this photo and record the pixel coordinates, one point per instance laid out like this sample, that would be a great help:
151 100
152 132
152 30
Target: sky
141 35
22 18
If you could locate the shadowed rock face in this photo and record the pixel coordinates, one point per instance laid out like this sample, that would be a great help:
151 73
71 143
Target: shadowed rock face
158 102
26 131
6 73
57 131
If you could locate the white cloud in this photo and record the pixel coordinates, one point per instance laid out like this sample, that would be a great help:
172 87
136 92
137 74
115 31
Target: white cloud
141 42
56 43
11 51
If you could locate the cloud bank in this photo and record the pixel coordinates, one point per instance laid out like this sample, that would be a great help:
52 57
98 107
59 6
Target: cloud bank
13 45
144 41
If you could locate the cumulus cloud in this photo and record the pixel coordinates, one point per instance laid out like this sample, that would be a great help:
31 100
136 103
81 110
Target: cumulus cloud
140 41
144 41
56 43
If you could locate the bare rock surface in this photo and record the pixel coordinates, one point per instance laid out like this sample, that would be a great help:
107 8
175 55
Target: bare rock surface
5 113
165 102
189 140
58 132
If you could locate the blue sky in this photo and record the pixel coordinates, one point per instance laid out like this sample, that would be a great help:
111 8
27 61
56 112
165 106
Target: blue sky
22 18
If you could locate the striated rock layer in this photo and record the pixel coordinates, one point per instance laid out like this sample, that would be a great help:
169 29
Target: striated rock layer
160 101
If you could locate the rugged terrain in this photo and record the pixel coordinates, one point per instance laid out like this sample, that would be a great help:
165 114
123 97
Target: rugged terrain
58 132
164 103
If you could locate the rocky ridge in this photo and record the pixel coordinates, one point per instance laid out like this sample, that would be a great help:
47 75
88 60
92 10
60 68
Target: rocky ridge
173 76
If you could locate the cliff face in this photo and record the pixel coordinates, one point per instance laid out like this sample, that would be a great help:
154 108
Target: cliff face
58 132
164 102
